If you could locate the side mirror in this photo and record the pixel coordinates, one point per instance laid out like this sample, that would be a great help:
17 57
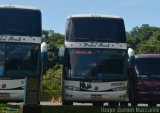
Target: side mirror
44 52
61 54
131 55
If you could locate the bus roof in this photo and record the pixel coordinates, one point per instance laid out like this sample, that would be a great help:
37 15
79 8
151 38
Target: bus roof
147 56
17 7
93 15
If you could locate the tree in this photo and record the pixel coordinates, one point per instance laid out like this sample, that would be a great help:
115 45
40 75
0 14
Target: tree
54 41
151 46
144 39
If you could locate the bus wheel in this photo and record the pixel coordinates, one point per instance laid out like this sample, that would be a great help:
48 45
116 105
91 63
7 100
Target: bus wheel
4 102
113 104
123 104
67 103
151 104
97 103
134 103
133 99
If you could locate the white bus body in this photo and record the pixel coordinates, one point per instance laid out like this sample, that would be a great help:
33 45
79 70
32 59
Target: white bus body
94 59
20 40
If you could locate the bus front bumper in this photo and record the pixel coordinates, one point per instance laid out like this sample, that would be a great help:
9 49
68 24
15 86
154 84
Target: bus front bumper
95 96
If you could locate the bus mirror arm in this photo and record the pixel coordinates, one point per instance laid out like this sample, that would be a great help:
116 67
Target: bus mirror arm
44 57
44 52
132 61
131 55
60 61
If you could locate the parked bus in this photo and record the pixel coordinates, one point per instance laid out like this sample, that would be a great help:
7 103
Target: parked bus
145 79
20 49
94 59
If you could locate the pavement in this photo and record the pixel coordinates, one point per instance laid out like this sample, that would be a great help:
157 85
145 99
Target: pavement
46 103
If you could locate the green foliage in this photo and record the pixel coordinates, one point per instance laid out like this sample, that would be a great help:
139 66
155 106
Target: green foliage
144 39
71 109
54 41
51 84
5 108
47 95
54 72
150 46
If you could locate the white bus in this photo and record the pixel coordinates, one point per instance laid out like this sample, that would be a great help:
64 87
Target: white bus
20 43
94 60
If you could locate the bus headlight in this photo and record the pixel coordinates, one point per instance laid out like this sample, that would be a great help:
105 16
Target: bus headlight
71 88
119 89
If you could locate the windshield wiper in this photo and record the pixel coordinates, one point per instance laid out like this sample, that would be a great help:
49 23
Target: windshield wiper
105 39
17 31
97 39
75 76
81 39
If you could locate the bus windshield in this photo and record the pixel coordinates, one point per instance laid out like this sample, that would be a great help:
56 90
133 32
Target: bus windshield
96 29
95 64
19 59
2 58
20 22
148 67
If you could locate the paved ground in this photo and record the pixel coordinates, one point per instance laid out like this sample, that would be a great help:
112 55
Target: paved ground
75 104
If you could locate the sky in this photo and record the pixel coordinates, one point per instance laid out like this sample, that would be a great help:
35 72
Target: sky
54 12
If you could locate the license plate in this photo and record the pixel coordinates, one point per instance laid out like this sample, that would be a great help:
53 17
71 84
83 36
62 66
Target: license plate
96 96
4 95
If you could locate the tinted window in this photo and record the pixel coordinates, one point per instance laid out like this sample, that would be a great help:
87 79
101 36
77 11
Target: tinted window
96 29
20 22
95 63
22 59
148 67
2 58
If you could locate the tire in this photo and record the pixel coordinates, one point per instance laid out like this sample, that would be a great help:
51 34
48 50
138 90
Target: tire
67 103
124 104
134 103
133 99
113 104
152 104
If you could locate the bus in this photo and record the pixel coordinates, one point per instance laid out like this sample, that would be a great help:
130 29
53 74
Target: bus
20 49
145 79
94 60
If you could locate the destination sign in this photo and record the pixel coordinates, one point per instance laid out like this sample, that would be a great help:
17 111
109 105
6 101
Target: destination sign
25 39
103 45
83 52
95 45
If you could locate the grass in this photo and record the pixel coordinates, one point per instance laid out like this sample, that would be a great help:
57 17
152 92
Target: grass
5 108
47 95
51 84
71 109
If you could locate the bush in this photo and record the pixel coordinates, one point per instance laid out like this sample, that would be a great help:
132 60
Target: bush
51 84
47 95
5 108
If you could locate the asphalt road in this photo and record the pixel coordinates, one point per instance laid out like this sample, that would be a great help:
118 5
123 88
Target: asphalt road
87 104
44 103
